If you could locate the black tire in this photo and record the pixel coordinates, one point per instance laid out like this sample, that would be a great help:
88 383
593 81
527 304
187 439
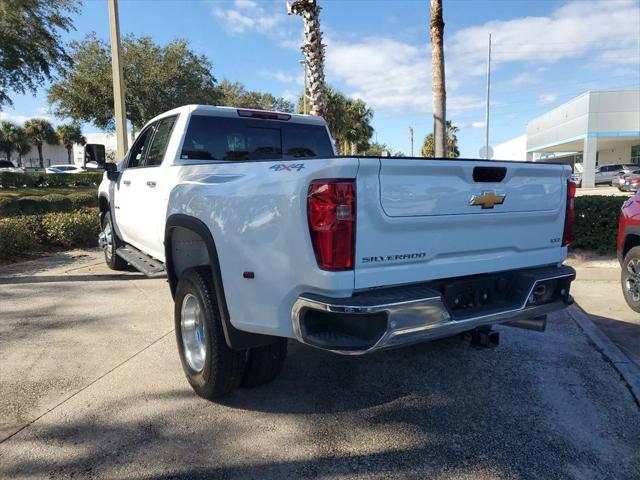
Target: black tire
223 368
113 261
265 363
627 278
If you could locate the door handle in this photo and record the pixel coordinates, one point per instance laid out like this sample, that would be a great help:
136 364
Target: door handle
127 182
151 184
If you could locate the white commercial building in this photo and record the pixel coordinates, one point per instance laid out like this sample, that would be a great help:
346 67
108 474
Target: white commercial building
596 128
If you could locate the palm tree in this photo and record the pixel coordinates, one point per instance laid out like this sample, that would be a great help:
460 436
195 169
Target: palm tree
8 138
69 135
313 50
428 147
359 130
438 89
22 144
40 131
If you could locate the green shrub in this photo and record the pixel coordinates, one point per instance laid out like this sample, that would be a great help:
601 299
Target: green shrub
11 179
58 203
17 237
32 205
75 229
79 200
597 222
8 206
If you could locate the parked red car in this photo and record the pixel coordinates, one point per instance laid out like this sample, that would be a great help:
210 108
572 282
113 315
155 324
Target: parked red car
629 251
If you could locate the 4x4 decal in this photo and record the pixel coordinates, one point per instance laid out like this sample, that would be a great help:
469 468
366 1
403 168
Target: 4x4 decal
282 167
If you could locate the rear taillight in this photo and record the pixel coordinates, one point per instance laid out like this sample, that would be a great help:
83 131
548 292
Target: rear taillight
331 210
570 216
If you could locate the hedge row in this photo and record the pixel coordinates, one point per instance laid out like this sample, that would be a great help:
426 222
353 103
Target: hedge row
11 179
21 236
597 222
34 205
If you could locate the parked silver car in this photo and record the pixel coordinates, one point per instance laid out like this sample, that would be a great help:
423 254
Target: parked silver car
608 174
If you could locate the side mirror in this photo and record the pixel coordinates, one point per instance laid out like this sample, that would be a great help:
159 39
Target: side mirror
112 171
95 154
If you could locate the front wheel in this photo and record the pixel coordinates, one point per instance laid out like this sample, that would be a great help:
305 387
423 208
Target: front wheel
212 368
630 278
110 242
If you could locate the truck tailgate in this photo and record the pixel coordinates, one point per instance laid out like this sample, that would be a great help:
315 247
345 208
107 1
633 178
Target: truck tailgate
421 220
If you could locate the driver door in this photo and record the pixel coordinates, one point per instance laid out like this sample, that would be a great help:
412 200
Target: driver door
129 192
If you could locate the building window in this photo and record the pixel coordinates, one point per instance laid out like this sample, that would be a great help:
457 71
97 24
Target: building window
635 154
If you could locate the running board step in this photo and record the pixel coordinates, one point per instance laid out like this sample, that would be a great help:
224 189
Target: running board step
142 262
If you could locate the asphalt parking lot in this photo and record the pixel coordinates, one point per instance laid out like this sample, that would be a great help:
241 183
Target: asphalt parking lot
91 387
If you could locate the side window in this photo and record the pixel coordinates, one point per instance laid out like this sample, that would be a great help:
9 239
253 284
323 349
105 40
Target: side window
160 141
140 147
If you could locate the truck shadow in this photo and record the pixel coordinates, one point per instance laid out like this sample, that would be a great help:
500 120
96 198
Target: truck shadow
419 412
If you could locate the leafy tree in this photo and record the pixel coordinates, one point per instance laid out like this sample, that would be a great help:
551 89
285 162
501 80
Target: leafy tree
375 149
349 121
31 48
8 138
428 147
69 135
234 94
157 78
40 131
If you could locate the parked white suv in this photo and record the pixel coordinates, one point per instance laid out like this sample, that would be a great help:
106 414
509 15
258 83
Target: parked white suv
265 235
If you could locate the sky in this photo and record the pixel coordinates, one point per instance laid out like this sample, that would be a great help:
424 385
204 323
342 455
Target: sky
544 53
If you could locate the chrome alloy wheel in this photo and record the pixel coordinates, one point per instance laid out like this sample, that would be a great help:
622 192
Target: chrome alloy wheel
632 280
192 332
105 239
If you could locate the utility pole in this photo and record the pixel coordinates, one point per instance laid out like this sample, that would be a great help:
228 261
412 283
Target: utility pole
118 81
411 139
304 93
487 153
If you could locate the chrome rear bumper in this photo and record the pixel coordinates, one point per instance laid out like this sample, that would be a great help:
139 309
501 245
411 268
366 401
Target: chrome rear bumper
392 317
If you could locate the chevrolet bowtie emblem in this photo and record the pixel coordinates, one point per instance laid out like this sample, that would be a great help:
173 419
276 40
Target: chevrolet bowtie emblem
487 200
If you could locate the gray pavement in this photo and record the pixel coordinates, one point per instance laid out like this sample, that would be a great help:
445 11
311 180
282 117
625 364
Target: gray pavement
91 387
597 290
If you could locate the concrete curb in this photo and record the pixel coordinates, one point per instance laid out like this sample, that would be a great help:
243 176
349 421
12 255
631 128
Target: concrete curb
623 365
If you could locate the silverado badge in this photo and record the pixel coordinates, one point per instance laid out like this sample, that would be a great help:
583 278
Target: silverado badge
487 200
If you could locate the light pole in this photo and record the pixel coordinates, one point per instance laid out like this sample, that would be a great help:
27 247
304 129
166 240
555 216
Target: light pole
486 113
304 93
119 108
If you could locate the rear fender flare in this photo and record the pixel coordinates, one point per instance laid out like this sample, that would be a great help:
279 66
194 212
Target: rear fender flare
236 339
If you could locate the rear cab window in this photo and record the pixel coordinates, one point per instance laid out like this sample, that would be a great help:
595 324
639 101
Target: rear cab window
239 139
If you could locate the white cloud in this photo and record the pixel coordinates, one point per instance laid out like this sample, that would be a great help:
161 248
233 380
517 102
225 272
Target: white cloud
20 119
249 15
390 75
393 75
285 77
547 98
608 30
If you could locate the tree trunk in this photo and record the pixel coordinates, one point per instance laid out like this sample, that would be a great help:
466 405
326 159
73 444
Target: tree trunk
8 152
69 148
39 146
314 52
438 89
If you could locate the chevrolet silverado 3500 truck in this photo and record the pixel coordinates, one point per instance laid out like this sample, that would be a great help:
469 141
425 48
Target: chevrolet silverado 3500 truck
265 234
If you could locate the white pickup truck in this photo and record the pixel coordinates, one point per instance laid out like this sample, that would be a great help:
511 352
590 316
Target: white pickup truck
265 234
